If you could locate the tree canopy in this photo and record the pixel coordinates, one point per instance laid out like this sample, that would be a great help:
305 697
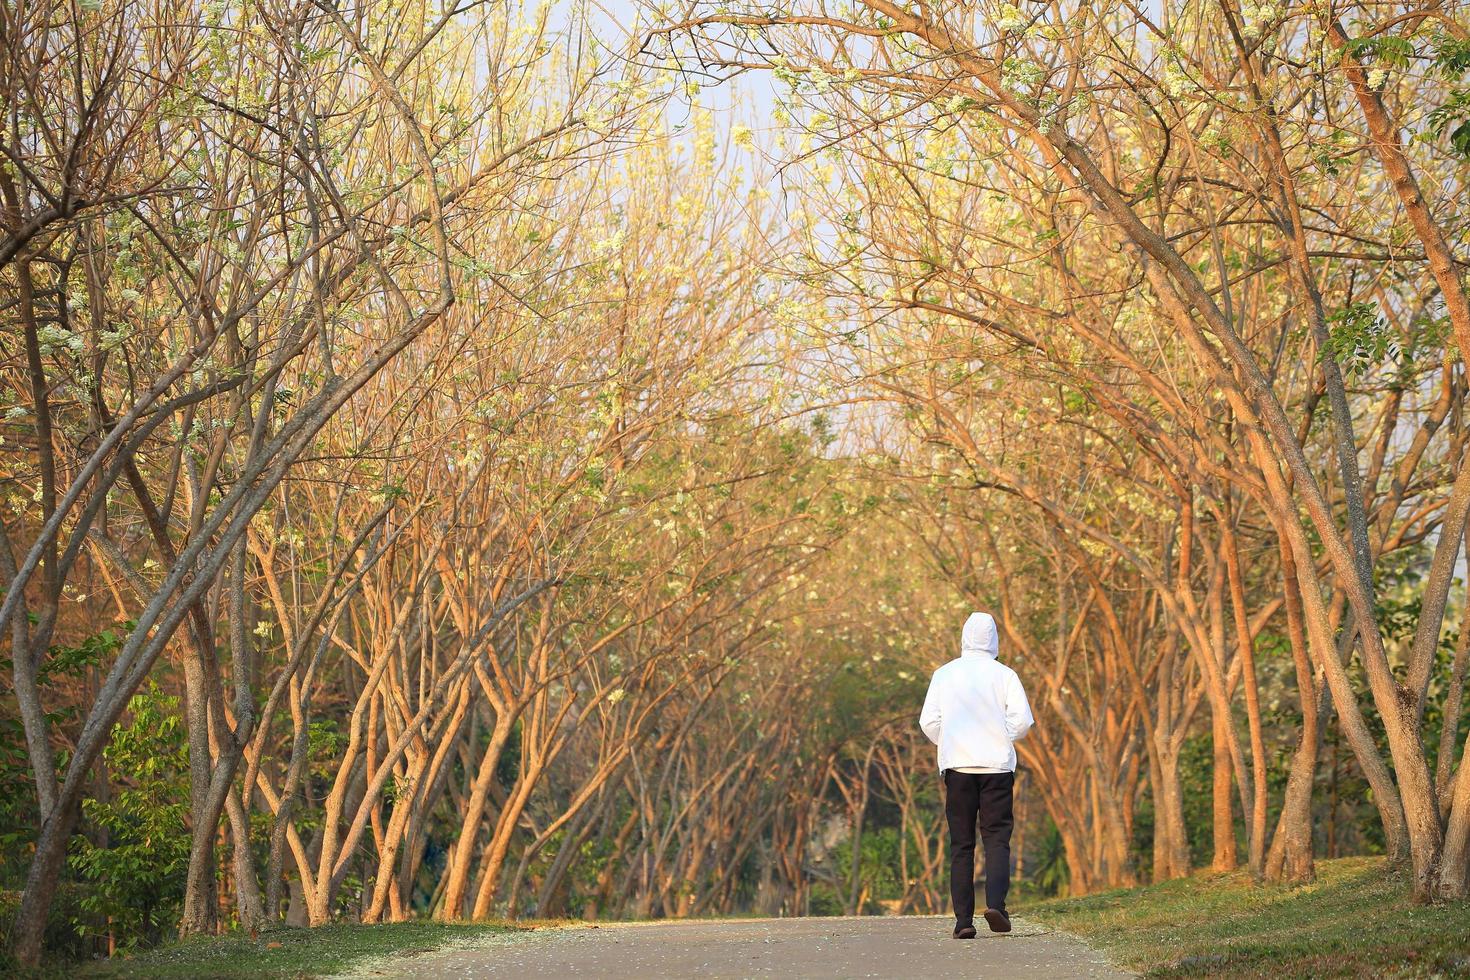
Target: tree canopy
458 462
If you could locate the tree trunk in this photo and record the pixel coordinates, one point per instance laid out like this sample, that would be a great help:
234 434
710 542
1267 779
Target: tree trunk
1225 858
855 869
29 927
1256 837
201 901
1291 858
1171 838
460 857
1454 881
505 827
248 907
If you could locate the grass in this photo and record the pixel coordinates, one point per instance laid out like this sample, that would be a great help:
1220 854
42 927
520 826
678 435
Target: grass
293 953
1354 921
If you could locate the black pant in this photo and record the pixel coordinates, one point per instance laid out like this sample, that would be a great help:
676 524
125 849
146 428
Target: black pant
986 796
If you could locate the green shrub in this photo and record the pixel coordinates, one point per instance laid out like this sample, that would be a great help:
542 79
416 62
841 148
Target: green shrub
65 937
136 873
825 901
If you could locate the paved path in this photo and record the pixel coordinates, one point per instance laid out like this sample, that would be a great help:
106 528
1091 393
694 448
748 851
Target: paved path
910 947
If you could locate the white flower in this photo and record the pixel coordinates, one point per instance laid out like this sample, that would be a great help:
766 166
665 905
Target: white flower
616 695
1176 80
1011 18
49 338
611 243
1018 74
1258 14
1376 78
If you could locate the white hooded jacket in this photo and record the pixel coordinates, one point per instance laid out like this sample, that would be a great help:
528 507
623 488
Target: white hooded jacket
976 707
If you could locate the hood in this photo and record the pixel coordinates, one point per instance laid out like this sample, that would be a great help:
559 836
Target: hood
979 635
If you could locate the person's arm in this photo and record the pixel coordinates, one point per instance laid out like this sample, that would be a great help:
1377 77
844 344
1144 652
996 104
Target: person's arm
1018 710
929 719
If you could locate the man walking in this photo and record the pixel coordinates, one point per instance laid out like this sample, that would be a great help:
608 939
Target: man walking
975 709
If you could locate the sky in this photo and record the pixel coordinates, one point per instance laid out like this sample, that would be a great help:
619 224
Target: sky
747 99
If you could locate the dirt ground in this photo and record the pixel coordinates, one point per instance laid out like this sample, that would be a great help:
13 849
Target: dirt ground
911 947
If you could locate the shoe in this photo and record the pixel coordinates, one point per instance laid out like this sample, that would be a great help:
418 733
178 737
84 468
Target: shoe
964 932
997 920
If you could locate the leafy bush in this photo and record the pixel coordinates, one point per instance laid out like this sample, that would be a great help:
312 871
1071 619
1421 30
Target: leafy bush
138 859
1049 873
17 806
825 901
64 937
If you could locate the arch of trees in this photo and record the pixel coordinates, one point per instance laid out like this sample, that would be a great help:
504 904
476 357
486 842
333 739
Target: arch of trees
449 472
